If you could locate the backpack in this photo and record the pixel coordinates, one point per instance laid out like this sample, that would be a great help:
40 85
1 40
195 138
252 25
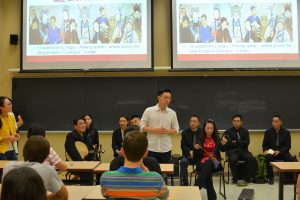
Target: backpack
261 169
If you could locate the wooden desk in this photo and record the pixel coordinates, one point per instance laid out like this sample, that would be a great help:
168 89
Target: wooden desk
283 167
103 167
176 193
79 192
81 166
3 163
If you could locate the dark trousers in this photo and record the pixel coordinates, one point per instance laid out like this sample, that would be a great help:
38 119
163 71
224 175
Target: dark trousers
185 161
204 178
271 158
161 157
251 165
9 155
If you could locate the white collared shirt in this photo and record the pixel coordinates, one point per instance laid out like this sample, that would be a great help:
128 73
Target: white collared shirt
154 117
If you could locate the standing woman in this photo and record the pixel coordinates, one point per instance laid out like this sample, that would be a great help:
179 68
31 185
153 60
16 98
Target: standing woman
207 157
118 135
8 132
91 131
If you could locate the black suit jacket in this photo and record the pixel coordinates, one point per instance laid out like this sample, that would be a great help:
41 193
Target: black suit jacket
270 139
187 140
117 141
241 145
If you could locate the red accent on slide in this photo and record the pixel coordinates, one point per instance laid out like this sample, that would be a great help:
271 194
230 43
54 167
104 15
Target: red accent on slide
81 58
216 57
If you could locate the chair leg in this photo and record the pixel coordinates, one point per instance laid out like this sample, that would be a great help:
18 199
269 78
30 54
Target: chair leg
222 181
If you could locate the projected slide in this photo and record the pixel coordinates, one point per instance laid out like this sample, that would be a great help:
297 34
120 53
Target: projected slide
235 34
86 34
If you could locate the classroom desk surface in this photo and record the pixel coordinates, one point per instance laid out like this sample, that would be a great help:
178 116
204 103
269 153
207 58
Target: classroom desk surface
3 163
165 168
81 166
78 192
176 193
283 167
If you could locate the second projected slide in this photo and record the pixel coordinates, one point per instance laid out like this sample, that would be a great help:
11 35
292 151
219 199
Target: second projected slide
230 30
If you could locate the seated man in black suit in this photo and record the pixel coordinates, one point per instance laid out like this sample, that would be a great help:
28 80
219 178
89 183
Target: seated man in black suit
188 140
237 149
150 162
276 145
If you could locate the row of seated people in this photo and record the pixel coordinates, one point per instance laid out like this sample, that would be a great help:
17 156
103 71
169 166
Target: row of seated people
235 141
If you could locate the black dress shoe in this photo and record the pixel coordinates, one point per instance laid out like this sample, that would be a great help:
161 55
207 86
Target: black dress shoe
271 181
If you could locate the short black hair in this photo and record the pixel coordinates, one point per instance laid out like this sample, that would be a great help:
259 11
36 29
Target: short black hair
36 129
159 93
131 128
237 115
196 116
277 116
134 116
75 121
23 183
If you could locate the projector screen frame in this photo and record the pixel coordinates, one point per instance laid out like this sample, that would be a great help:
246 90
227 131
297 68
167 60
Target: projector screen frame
173 36
87 69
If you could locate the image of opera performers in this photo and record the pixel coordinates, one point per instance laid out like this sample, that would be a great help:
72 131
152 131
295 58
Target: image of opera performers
88 24
235 23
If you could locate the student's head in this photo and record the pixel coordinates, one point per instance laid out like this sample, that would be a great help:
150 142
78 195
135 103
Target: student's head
102 11
88 120
35 24
79 125
182 11
36 129
253 9
23 183
216 11
36 149
203 20
237 121
164 97
72 24
135 146
194 122
131 128
276 122
210 129
52 21
123 122
135 120
65 14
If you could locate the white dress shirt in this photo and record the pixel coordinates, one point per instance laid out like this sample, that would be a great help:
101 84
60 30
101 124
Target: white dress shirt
154 117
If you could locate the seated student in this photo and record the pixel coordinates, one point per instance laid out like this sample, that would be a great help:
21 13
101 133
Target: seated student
136 182
237 142
79 135
188 140
207 157
23 183
149 162
276 145
92 132
53 158
35 151
135 120
118 136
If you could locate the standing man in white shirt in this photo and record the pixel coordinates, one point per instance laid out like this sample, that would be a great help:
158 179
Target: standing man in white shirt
160 122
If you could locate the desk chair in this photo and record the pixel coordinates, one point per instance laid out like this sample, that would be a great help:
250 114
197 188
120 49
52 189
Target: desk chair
240 162
219 173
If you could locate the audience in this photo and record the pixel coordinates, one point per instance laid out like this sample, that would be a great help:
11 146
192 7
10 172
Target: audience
91 132
276 145
207 157
35 151
118 135
135 120
236 143
53 158
23 183
188 141
137 181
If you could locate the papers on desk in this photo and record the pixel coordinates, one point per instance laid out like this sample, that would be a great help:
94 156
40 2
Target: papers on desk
270 151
